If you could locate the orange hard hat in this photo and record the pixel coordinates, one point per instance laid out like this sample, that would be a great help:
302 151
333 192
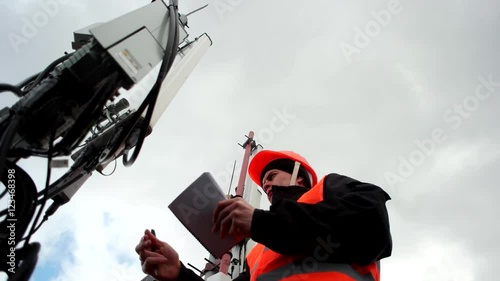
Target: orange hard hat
264 157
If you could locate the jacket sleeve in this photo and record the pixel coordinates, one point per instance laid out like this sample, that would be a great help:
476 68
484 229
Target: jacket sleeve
350 225
186 274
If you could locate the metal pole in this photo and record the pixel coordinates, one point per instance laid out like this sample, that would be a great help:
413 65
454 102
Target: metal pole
248 146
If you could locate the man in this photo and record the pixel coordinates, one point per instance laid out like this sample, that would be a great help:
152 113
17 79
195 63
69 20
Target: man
336 228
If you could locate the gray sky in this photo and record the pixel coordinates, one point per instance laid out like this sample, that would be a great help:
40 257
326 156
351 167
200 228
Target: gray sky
406 108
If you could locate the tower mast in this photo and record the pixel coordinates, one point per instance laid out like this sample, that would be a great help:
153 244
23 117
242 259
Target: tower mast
218 269
249 146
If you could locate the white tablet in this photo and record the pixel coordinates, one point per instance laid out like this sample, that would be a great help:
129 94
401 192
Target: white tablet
194 208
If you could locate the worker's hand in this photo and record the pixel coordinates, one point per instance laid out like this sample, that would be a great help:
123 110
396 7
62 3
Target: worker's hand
233 217
162 264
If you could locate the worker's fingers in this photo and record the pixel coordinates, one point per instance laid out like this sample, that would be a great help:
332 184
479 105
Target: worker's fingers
151 254
138 247
224 214
143 244
149 235
154 241
220 215
233 229
227 225
151 263
220 207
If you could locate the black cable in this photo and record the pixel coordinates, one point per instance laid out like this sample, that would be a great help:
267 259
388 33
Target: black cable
27 267
9 134
150 101
112 172
244 256
25 201
21 152
40 224
4 149
45 72
152 98
50 211
11 88
26 81
73 137
239 254
3 193
47 183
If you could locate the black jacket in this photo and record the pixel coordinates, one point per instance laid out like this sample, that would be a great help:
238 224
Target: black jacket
352 222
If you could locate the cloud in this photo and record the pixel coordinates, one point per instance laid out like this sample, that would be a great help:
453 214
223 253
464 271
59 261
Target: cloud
53 248
461 155
433 253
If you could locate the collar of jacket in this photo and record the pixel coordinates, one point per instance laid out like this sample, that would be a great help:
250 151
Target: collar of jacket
292 192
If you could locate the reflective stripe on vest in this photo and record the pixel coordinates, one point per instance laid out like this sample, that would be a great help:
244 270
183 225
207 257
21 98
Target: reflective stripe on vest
306 270
257 262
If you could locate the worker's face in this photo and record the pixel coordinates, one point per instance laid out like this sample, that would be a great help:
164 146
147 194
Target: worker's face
275 177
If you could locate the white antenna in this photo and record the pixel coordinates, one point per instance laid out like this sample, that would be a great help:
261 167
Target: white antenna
184 18
197 10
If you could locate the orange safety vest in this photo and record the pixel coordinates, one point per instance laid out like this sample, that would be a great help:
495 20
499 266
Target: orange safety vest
267 265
